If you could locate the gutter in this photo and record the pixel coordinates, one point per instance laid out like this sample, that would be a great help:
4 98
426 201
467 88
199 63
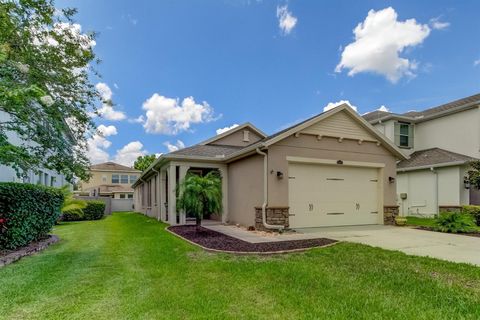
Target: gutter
439 165
437 209
265 193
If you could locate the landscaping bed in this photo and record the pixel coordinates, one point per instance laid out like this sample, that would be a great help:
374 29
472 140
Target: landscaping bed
469 234
10 256
218 241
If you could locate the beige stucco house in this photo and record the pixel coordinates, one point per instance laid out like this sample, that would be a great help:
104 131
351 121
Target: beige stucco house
333 169
441 141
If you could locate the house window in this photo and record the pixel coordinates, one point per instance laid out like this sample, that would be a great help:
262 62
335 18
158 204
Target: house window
122 195
124 178
40 176
45 180
115 178
133 178
52 181
404 135
130 196
246 136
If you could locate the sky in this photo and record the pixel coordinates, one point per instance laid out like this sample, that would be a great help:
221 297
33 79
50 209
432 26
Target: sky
180 71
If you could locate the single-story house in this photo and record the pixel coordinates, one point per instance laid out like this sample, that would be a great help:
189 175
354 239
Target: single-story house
333 169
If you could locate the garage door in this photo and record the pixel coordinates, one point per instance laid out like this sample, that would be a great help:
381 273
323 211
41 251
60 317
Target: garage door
322 195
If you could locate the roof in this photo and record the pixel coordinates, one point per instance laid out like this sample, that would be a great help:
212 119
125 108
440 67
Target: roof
112 166
428 114
233 130
433 157
214 151
111 188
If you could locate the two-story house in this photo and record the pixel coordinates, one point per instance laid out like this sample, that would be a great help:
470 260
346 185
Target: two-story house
440 141
110 179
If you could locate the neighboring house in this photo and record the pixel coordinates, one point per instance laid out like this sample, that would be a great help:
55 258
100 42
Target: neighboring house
333 169
110 179
43 176
441 141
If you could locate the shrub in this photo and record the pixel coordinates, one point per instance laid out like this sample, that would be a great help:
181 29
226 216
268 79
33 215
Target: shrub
73 215
94 210
474 211
454 222
27 213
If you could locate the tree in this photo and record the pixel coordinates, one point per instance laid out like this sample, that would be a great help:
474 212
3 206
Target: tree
45 91
474 174
71 203
200 196
143 162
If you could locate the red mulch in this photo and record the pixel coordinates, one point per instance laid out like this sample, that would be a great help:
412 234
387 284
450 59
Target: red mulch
215 240
469 234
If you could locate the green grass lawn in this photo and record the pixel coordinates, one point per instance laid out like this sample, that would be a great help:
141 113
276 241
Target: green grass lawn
127 267
422 222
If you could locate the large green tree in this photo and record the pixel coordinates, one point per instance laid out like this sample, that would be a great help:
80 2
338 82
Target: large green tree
474 174
143 162
45 91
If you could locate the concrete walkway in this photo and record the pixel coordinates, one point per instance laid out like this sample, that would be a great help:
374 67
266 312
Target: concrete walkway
450 247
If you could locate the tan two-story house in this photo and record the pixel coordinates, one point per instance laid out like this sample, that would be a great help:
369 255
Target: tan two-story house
441 141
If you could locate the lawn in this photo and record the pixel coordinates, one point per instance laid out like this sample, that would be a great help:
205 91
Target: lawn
127 267
421 222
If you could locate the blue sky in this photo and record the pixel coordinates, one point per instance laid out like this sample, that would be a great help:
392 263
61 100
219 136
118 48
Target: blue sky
269 62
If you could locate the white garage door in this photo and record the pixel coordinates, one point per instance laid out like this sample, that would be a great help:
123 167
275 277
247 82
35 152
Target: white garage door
322 195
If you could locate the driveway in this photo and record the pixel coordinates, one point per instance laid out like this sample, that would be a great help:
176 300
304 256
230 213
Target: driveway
443 246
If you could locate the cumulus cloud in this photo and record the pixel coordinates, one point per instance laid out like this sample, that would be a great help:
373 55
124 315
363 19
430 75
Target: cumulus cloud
439 25
476 62
286 21
107 110
225 129
174 147
332 105
170 116
379 41
129 153
383 108
98 144
107 130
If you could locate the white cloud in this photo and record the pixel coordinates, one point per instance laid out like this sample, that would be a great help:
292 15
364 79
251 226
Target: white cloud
139 119
332 105
107 130
383 108
476 62
379 41
174 147
286 21
129 153
169 116
98 144
436 24
107 110
225 129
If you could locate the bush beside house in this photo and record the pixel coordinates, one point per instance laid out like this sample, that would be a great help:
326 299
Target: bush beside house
474 211
94 210
27 213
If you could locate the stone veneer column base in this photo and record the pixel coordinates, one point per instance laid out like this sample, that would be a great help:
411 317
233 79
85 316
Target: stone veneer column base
389 214
275 216
449 208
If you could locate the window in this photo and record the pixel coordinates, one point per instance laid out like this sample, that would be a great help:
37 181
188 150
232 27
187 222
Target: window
133 178
122 195
52 181
404 135
40 176
124 178
130 196
115 178
45 180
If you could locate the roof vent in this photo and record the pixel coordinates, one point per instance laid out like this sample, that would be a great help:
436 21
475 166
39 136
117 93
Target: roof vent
219 156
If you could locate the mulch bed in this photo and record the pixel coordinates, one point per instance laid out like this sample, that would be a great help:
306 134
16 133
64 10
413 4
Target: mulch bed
218 241
10 256
469 234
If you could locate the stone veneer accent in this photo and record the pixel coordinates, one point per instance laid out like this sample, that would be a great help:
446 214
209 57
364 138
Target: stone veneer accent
389 214
275 216
449 208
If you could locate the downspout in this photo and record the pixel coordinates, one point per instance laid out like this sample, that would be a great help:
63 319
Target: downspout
436 190
265 193
157 189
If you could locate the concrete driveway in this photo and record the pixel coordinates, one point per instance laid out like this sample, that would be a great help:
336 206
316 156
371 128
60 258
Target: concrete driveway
443 246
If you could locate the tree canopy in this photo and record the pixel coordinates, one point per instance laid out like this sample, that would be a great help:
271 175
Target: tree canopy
143 162
45 91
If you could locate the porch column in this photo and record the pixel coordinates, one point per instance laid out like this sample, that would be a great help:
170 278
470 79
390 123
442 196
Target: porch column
162 194
182 173
172 198
224 174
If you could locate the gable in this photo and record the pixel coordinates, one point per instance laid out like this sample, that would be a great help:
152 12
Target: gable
339 125
237 138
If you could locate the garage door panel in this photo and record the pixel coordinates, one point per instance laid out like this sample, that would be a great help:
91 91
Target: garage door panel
321 195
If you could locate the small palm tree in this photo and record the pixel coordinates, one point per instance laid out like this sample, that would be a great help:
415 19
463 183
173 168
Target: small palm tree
201 196
71 203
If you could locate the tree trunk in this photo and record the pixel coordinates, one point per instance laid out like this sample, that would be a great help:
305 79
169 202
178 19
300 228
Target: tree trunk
198 221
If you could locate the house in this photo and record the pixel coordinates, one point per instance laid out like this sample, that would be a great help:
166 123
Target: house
441 141
333 169
42 176
110 179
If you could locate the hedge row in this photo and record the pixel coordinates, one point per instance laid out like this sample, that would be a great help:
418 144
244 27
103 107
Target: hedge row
93 211
27 213
474 211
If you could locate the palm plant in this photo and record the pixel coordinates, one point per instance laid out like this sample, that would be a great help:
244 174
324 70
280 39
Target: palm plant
200 196
70 203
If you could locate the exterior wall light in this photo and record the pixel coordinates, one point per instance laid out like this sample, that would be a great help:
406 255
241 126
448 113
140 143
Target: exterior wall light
391 179
466 182
279 175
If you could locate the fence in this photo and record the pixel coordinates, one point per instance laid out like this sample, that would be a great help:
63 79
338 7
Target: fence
107 200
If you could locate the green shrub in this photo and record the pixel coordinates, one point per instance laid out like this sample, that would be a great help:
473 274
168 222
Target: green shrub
474 211
27 213
455 222
94 210
73 215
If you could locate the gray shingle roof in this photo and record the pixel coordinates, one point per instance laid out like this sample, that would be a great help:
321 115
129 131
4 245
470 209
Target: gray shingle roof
377 114
111 166
212 151
431 157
